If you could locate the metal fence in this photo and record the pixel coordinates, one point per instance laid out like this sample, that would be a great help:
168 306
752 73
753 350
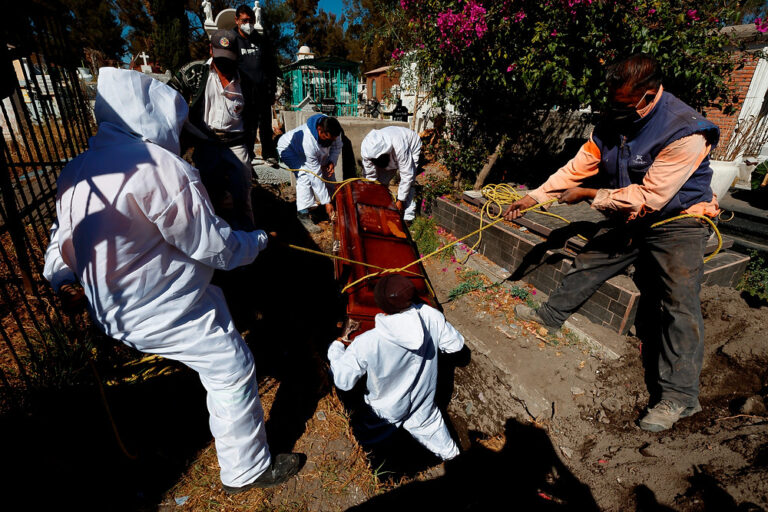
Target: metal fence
329 84
45 121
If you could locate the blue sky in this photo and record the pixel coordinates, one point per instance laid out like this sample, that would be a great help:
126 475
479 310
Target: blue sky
334 6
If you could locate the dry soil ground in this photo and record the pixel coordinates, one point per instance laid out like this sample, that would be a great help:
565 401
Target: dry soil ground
546 423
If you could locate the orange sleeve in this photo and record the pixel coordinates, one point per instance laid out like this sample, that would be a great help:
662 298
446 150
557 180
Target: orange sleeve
585 164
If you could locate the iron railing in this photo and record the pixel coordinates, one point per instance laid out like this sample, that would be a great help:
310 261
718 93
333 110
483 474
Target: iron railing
45 121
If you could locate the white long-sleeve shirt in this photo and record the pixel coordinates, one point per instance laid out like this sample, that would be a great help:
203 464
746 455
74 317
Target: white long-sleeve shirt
404 149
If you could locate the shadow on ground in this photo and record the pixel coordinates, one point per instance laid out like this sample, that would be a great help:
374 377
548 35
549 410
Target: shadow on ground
526 474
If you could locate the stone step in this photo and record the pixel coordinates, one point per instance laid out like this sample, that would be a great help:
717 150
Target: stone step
581 216
543 263
748 225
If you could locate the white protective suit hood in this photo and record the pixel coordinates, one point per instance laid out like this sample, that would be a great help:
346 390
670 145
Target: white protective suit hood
404 329
138 104
374 145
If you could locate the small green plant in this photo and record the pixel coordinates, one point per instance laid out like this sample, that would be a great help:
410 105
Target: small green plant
424 233
433 186
58 361
754 282
758 175
520 292
471 280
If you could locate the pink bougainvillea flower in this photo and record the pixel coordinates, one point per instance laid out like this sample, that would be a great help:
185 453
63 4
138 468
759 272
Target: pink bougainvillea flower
761 25
692 13
554 33
460 29
511 67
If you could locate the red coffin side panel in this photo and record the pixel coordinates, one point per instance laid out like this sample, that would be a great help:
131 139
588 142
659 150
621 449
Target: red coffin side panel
370 229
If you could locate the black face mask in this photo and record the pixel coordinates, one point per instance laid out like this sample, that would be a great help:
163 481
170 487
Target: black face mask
623 116
226 66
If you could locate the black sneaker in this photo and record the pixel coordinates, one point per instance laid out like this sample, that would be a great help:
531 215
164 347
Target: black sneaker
272 161
283 467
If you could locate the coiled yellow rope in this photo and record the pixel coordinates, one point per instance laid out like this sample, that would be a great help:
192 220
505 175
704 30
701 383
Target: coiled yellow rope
503 194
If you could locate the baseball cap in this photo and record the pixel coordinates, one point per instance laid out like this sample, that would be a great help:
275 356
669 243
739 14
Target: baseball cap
222 44
394 293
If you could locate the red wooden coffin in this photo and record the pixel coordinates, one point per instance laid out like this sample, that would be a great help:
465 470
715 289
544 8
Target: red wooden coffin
369 229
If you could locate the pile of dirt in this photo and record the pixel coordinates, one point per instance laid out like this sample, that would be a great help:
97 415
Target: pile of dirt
716 460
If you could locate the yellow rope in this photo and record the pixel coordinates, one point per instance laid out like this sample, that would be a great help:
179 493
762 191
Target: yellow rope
341 258
505 194
499 195
341 184
702 217
437 251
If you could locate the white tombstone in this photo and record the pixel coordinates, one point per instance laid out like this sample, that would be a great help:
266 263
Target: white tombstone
145 68
257 22
305 53
208 11
209 24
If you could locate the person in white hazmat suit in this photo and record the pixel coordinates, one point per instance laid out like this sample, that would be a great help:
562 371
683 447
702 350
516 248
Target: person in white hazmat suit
136 228
390 150
400 357
315 147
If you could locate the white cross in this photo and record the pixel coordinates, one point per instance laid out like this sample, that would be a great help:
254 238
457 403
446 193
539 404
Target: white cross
144 56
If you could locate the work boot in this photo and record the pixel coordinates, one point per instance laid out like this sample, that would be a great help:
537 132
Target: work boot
528 314
283 467
664 414
310 226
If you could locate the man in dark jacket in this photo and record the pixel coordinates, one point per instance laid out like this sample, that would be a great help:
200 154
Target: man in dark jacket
258 68
651 155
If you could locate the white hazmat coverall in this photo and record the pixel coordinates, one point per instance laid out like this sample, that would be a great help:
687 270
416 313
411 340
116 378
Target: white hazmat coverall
300 150
400 357
404 149
136 228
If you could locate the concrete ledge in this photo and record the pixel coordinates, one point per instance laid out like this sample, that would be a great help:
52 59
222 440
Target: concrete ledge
533 259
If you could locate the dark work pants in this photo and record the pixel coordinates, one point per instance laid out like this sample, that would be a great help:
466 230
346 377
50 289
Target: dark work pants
670 259
266 136
226 174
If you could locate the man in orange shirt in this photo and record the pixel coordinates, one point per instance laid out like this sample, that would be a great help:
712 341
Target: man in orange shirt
651 155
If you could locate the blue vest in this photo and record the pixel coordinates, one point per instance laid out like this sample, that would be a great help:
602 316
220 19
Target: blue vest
626 153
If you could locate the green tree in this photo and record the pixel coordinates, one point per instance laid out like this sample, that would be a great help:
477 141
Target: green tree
94 26
500 64
374 30
170 33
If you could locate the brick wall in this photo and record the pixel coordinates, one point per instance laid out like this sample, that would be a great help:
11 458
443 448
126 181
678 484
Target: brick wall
740 81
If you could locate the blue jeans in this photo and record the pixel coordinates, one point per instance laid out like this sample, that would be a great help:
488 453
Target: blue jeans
670 260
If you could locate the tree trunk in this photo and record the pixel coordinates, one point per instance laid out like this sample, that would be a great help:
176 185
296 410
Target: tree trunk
486 170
